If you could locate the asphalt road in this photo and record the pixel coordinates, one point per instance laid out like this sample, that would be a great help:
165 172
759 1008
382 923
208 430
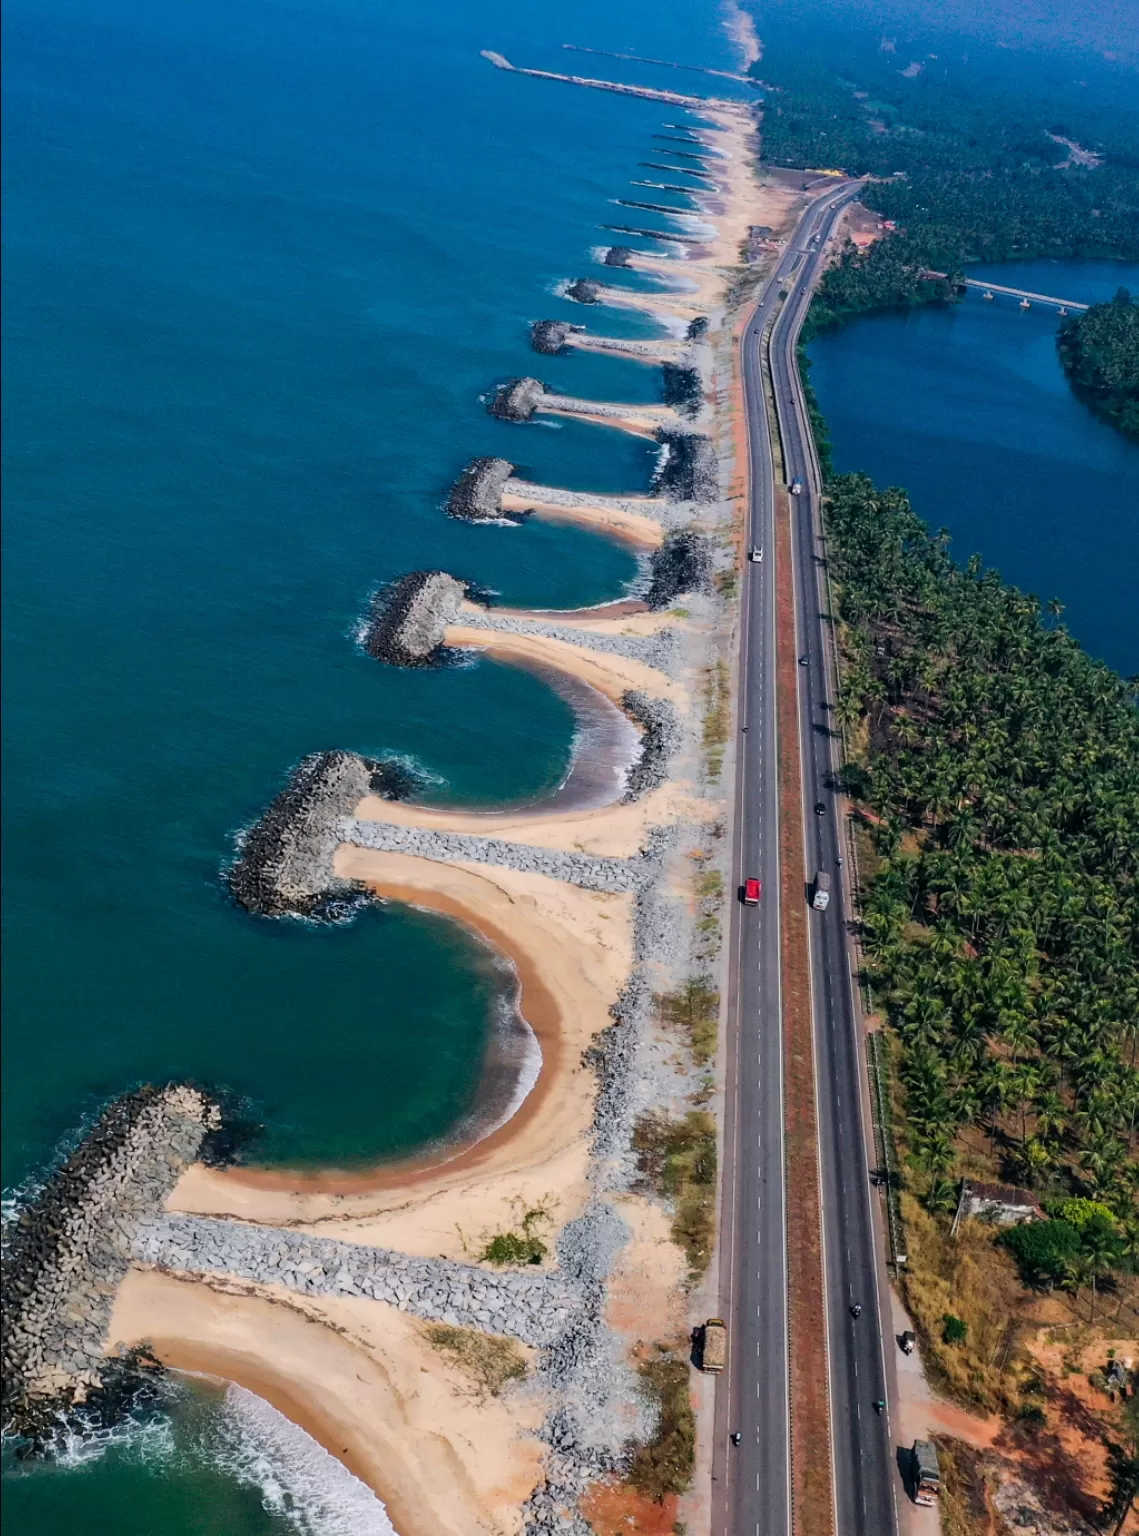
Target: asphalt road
751 1490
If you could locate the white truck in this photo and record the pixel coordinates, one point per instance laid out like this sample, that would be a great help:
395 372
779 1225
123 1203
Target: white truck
821 896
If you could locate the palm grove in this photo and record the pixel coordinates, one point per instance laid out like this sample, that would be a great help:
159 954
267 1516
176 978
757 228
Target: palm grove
1001 925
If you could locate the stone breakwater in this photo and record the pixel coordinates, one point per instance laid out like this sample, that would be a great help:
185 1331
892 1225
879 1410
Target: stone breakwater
284 864
661 737
71 1246
534 1308
593 872
665 512
407 620
584 290
618 256
682 564
520 398
659 650
517 400
476 495
689 470
549 336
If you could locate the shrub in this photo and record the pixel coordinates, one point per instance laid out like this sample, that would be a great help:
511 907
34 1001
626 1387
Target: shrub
954 1330
677 1159
1043 1249
665 1463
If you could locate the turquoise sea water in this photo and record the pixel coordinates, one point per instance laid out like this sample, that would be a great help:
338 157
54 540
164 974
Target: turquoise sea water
262 260
968 408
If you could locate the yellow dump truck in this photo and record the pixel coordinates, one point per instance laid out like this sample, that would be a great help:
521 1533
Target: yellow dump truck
714 1345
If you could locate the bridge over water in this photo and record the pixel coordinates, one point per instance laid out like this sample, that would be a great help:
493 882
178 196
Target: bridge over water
1023 293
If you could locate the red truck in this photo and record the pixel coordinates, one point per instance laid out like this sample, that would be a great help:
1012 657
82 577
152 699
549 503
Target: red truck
752 892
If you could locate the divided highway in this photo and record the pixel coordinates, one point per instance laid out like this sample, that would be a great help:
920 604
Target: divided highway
752 1481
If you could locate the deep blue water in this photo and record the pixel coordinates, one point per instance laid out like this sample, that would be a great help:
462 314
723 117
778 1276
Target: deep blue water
262 261
968 408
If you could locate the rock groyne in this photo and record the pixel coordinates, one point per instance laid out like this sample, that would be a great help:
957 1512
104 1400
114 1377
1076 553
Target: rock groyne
476 495
284 865
549 336
682 564
584 291
618 256
689 470
71 1246
517 399
407 620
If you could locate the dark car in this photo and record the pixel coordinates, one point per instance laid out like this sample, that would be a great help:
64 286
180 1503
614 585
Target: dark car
820 808
804 661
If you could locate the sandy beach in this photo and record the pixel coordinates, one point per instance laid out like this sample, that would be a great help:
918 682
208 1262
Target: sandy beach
359 1377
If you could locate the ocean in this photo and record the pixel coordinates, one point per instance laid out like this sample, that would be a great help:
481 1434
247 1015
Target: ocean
262 264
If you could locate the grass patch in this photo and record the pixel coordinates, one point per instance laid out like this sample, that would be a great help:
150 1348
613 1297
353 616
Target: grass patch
962 1505
520 1244
695 1008
490 1362
717 717
677 1159
664 1465
972 1279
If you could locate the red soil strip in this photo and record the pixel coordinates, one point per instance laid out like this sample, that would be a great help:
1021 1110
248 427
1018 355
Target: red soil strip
812 1501
615 1509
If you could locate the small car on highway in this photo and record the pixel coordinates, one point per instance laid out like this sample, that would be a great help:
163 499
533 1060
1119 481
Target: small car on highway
820 808
751 892
755 555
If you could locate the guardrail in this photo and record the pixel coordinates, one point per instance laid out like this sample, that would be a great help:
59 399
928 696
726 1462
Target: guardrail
882 1116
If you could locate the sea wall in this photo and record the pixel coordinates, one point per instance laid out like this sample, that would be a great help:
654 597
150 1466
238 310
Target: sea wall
660 739
689 470
476 495
72 1245
682 564
683 388
407 619
284 865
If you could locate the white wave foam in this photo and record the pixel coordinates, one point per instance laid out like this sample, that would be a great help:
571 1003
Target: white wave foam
76 1444
296 1477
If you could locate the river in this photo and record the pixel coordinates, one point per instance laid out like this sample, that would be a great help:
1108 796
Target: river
966 405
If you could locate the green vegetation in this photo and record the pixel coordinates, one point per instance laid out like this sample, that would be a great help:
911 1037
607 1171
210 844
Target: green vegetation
490 1362
966 151
521 1244
665 1464
1001 926
954 1329
677 1159
1099 350
695 1008
717 717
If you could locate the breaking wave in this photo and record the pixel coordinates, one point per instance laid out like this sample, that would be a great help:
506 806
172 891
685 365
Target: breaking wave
297 1479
